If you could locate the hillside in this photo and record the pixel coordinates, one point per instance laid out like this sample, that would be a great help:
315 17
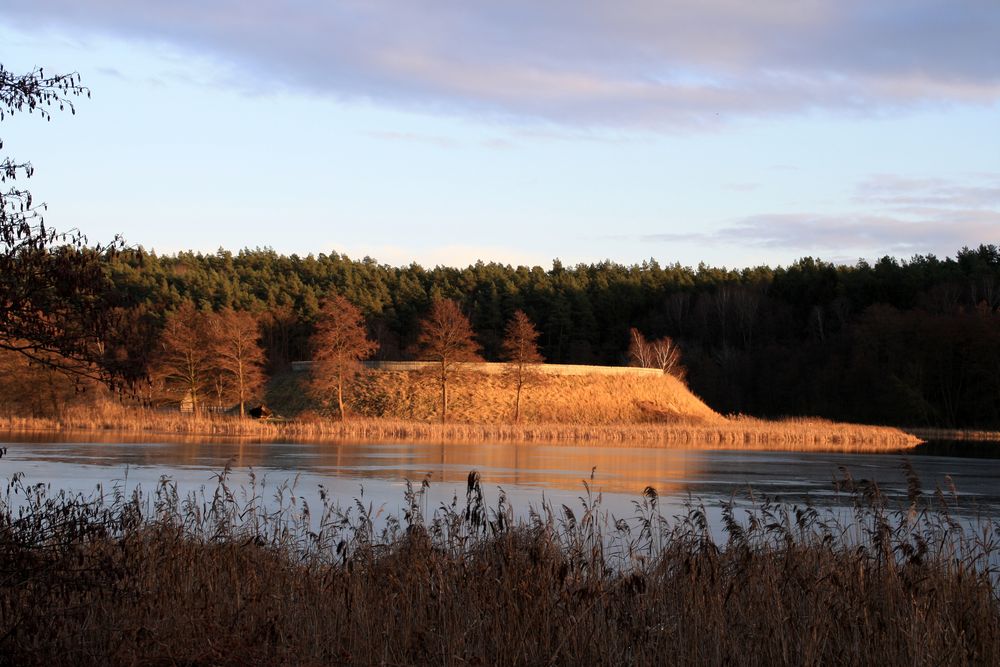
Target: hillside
891 342
482 393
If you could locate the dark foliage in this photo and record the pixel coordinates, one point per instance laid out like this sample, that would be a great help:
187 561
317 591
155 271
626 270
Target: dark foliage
55 305
913 342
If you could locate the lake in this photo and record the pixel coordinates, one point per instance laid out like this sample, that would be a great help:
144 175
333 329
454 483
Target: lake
526 472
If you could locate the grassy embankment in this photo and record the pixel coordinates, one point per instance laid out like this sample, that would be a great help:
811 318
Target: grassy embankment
214 580
635 410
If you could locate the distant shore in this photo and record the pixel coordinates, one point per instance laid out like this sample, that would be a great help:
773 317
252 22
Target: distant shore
955 434
733 433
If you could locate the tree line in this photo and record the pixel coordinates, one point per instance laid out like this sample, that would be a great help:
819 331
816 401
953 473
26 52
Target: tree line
905 342
206 360
902 342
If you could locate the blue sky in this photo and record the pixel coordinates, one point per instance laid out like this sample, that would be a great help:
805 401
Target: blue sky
444 132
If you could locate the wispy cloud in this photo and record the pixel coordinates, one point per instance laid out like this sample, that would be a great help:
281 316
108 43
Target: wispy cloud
455 254
634 63
919 193
939 233
904 216
412 137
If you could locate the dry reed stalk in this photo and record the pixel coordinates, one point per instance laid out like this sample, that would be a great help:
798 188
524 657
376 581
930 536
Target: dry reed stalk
954 434
738 433
213 580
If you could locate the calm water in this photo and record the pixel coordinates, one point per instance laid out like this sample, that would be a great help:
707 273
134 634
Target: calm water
527 473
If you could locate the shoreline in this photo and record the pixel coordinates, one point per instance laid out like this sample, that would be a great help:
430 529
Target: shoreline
221 579
734 433
967 435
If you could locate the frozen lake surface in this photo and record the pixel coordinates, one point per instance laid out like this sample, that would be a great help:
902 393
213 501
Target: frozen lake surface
526 472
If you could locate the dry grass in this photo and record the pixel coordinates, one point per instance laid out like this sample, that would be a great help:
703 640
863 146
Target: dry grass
954 434
615 408
733 433
213 580
488 398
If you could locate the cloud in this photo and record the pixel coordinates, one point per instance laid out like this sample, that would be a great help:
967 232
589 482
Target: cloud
447 255
412 137
918 193
631 64
940 232
112 72
903 216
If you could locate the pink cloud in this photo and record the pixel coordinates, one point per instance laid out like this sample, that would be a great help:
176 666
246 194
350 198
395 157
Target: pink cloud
634 63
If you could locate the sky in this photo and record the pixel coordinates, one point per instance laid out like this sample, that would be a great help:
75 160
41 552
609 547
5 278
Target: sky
720 131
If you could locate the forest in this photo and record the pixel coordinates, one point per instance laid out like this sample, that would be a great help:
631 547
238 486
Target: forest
913 342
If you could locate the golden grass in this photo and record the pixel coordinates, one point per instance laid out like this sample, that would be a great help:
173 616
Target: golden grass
211 580
732 433
954 434
616 407
628 410
488 398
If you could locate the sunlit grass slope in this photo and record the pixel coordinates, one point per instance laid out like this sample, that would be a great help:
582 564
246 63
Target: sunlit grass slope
604 409
476 397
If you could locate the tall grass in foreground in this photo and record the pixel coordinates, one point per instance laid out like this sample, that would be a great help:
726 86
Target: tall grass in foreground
732 433
215 578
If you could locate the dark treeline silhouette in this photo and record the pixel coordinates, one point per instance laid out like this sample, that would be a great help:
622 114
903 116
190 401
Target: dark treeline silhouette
905 342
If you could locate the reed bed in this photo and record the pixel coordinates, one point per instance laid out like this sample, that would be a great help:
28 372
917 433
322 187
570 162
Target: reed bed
215 578
732 433
955 434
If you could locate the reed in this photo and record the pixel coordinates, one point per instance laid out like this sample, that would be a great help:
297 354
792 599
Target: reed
724 433
955 434
216 578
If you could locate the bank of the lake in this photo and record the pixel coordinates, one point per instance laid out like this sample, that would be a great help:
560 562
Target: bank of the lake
230 580
965 435
727 433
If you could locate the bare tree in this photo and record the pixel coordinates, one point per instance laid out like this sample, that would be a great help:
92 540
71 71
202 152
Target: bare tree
520 348
53 287
639 351
238 356
339 344
184 361
677 311
446 338
663 354
746 302
28 387
816 325
667 356
722 302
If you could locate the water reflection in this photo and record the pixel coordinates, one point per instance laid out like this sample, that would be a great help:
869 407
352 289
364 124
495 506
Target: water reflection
979 449
620 470
525 471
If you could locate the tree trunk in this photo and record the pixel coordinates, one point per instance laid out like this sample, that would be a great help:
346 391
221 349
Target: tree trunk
517 404
444 394
340 399
243 389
